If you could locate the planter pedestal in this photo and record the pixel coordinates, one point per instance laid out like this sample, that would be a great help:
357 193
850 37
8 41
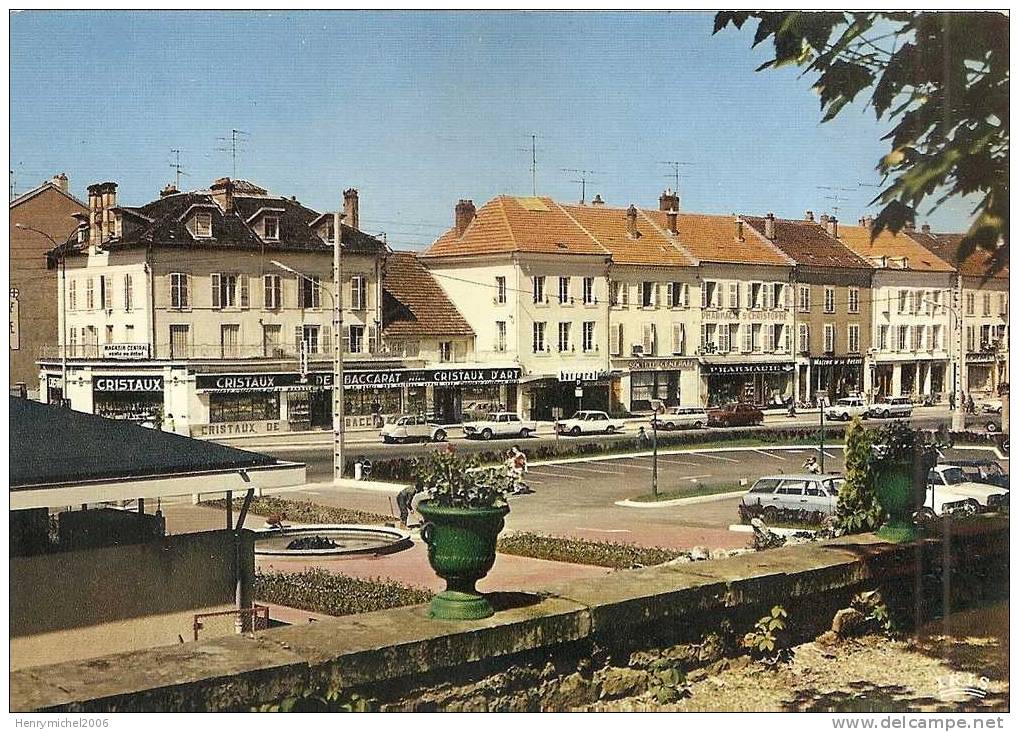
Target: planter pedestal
461 550
895 493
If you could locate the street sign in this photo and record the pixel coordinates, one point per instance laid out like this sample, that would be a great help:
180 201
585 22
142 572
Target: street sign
304 360
15 320
578 390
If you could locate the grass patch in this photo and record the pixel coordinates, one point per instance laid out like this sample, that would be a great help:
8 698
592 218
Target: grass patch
581 551
305 512
319 591
694 490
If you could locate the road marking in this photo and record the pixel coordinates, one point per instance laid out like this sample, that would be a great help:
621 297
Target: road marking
606 531
532 471
716 457
678 462
828 454
595 470
768 454
692 477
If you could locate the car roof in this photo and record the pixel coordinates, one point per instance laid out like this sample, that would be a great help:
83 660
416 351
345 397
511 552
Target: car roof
801 476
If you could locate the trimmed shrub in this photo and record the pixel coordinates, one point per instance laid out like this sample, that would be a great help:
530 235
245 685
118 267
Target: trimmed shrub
319 591
858 508
791 517
582 551
304 512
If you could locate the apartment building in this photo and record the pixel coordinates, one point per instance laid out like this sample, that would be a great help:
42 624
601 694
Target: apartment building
210 312
980 298
911 291
831 306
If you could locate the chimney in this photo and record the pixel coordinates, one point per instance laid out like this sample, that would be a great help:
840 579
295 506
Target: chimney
102 198
223 194
464 214
925 229
809 216
597 201
910 225
769 226
824 220
60 181
350 213
832 225
168 190
739 227
631 222
669 203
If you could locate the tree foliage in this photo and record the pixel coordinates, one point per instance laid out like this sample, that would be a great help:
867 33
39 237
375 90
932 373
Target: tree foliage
942 80
858 508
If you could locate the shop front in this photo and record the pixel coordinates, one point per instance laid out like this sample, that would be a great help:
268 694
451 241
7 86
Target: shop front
761 384
134 397
672 381
980 374
834 377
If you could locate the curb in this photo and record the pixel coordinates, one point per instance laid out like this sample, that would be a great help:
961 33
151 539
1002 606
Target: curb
744 529
679 451
681 501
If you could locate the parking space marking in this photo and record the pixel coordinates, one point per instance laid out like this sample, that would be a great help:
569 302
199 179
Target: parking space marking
715 457
668 460
533 471
828 454
768 454
572 466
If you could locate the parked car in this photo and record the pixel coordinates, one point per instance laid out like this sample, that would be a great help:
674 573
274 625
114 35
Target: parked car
847 408
797 492
586 422
982 471
735 415
676 417
892 407
407 427
500 424
989 421
951 480
990 406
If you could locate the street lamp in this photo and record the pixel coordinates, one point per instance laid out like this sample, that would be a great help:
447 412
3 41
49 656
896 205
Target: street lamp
958 363
656 406
334 295
63 310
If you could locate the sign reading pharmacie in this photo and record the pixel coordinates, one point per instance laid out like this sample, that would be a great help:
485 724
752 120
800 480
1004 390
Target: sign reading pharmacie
747 368
356 379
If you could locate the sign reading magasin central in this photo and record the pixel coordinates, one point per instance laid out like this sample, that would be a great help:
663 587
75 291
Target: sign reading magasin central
356 379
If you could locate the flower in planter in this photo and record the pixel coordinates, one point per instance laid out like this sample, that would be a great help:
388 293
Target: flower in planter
455 480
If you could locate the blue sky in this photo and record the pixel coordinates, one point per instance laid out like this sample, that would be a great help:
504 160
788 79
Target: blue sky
417 110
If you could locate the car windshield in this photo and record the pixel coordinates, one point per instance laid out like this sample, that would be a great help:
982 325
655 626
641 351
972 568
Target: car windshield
833 485
953 476
393 419
493 417
577 415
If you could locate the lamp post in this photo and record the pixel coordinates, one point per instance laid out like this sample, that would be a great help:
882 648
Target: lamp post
63 311
337 390
958 363
654 448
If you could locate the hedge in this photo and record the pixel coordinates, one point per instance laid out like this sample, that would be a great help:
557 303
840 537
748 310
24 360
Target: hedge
581 551
305 512
319 591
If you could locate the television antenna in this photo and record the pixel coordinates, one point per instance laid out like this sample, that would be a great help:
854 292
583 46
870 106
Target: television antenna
583 177
533 149
236 138
675 165
835 191
178 171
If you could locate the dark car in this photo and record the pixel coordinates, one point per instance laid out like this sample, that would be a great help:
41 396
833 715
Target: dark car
735 415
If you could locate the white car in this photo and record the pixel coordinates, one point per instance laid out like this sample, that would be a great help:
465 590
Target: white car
892 407
406 427
948 488
676 417
588 422
500 424
847 408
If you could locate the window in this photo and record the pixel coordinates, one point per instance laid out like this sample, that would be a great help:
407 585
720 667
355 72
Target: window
804 338
355 336
710 295
829 338
881 338
109 334
754 295
538 338
179 341
987 303
650 341
779 291
614 293
179 282
829 299
755 337
500 335
748 338
224 290
708 337
1003 304
918 334
230 340
679 295
271 345
588 291
780 337
255 406
970 303
935 344
309 293
769 339
902 341
203 225
587 336
106 292
564 290
272 286
853 338
564 337
73 342
854 299
971 338
271 228
90 295
538 290
678 339
734 295
804 294
903 301
500 290
647 294
72 295
445 351
128 294
357 293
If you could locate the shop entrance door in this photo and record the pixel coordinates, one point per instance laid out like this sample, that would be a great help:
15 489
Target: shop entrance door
320 408
447 404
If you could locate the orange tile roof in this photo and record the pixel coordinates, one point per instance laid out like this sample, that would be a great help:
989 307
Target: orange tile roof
710 238
413 303
609 227
887 244
809 244
947 247
511 224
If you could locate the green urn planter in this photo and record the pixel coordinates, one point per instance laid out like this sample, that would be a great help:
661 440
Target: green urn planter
894 487
461 550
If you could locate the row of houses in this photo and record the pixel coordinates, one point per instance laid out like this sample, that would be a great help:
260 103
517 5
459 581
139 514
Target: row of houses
210 311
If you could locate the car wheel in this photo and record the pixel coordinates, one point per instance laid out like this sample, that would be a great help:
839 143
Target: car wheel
386 440
970 507
575 432
610 430
669 426
486 434
698 425
525 433
991 427
886 414
925 517
845 416
769 514
440 436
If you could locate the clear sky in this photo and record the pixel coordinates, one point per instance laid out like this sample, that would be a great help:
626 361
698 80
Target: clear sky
417 110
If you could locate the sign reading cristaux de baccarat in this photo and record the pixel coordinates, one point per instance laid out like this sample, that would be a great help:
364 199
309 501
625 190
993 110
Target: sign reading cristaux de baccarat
356 379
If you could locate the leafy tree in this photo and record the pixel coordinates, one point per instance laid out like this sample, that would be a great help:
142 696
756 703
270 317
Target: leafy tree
858 508
942 79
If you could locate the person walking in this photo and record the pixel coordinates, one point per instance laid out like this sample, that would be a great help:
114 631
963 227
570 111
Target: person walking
951 401
408 498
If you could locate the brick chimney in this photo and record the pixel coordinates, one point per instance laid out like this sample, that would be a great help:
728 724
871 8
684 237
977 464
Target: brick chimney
669 203
769 226
631 222
60 181
809 216
910 225
832 225
464 214
102 199
925 229
597 201
350 212
223 194
824 219
168 190
739 227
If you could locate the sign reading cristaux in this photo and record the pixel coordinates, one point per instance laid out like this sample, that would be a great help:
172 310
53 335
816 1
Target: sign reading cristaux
127 383
356 379
126 351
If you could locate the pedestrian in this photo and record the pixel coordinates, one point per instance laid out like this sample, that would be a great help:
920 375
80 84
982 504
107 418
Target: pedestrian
170 425
811 465
642 438
951 401
970 406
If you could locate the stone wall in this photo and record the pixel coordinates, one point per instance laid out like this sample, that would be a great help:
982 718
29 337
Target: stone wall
560 648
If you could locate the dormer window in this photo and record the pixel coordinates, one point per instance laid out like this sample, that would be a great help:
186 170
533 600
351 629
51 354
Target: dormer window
271 228
203 225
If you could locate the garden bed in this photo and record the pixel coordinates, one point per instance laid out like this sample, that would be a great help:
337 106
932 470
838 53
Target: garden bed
319 591
581 551
691 492
305 512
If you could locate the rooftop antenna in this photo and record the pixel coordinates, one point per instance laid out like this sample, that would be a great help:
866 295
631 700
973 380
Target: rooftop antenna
13 185
533 149
236 138
835 196
178 171
675 165
583 176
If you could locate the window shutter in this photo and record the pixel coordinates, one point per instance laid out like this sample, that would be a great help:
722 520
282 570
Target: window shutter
298 339
704 296
677 338
658 295
620 340
686 295
747 343
671 294
215 290
327 339
244 290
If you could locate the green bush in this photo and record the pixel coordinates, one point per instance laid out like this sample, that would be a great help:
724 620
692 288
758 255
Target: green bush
319 591
858 509
304 512
582 551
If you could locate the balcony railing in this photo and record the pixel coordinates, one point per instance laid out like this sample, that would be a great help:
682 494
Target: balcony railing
167 351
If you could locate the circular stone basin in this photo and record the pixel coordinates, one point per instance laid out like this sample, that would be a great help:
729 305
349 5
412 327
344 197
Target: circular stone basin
330 540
